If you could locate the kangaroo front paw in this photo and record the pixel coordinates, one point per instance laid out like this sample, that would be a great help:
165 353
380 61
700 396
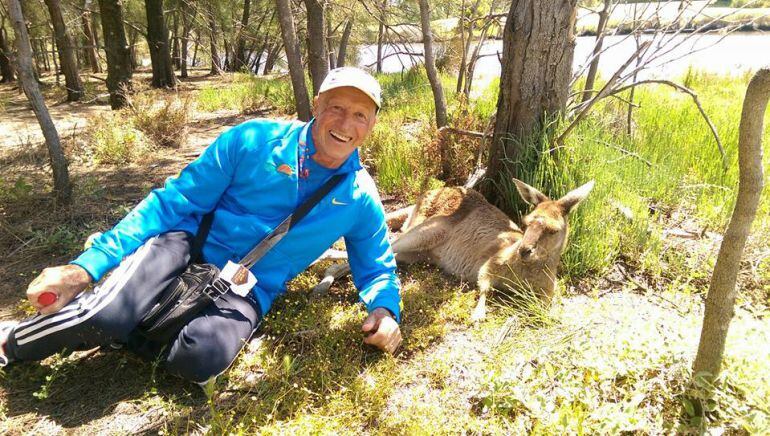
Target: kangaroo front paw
479 313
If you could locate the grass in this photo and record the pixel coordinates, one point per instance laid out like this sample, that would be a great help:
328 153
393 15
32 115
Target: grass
611 355
153 120
247 93
162 118
110 141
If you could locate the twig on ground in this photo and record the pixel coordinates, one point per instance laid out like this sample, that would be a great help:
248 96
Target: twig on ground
626 152
462 132
510 324
16 250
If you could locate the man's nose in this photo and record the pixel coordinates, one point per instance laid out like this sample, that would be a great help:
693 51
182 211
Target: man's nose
347 122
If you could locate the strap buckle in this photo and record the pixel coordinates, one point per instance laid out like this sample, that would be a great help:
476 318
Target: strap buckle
216 289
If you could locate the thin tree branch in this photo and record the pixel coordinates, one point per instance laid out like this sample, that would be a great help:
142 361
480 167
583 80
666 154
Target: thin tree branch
694 96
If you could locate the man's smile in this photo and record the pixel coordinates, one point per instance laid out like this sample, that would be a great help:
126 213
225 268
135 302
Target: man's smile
339 136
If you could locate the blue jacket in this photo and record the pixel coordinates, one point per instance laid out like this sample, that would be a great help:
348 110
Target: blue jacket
238 177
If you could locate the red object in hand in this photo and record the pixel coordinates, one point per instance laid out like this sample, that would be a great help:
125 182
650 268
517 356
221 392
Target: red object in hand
47 298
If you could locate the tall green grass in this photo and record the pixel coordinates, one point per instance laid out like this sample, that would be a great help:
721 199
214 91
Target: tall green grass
670 163
247 93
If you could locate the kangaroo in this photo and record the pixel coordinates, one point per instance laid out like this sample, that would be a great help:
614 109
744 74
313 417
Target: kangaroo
459 231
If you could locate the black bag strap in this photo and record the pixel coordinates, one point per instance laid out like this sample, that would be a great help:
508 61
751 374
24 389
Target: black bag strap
279 232
196 254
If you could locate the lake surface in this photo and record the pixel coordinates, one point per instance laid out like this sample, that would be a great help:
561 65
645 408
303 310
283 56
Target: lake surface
735 53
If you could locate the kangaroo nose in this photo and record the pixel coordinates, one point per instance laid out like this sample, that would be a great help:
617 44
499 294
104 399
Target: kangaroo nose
525 252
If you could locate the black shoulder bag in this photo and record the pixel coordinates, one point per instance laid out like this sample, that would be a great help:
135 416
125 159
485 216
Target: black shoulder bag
200 284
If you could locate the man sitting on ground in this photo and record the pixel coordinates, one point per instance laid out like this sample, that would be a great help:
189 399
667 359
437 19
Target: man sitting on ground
252 177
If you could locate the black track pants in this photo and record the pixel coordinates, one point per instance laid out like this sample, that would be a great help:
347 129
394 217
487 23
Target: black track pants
204 348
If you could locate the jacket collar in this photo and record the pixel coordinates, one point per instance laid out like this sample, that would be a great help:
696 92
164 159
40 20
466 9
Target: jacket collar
353 162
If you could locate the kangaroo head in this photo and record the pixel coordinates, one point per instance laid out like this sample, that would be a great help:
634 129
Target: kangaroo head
545 233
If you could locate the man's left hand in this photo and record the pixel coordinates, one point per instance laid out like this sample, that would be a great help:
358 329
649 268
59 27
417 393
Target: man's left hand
383 331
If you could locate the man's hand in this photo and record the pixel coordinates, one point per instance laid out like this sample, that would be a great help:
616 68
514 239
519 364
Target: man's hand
382 329
66 282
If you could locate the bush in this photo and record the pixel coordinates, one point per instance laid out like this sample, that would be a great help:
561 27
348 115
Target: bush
164 122
110 141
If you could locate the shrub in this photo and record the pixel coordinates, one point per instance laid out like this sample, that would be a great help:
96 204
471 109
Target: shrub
110 141
164 121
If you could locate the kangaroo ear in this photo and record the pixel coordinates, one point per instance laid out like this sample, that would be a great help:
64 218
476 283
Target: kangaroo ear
574 197
529 194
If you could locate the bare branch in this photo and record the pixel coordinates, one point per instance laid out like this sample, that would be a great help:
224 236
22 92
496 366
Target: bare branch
694 96
602 93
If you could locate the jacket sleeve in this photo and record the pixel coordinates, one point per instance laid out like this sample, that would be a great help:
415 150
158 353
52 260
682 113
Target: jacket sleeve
371 259
196 190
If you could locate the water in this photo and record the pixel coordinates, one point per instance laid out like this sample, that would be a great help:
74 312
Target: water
732 54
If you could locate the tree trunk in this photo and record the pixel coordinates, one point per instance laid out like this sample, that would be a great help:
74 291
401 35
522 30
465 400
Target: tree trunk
39 65
594 67
54 50
329 40
66 49
343 51
239 57
157 39
532 87
194 60
119 63
272 56
6 67
133 35
61 182
257 58
43 49
381 35
264 50
227 55
88 31
294 59
430 65
720 301
187 19
316 43
175 61
95 32
466 44
216 66
470 68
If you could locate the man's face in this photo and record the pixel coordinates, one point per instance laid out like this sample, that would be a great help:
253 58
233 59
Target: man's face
344 117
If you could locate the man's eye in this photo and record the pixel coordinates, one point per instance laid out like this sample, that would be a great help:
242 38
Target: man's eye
361 116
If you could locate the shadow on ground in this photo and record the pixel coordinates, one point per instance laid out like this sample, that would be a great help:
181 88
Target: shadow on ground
78 391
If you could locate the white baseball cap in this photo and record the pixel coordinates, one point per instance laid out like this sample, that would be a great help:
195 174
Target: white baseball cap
356 78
